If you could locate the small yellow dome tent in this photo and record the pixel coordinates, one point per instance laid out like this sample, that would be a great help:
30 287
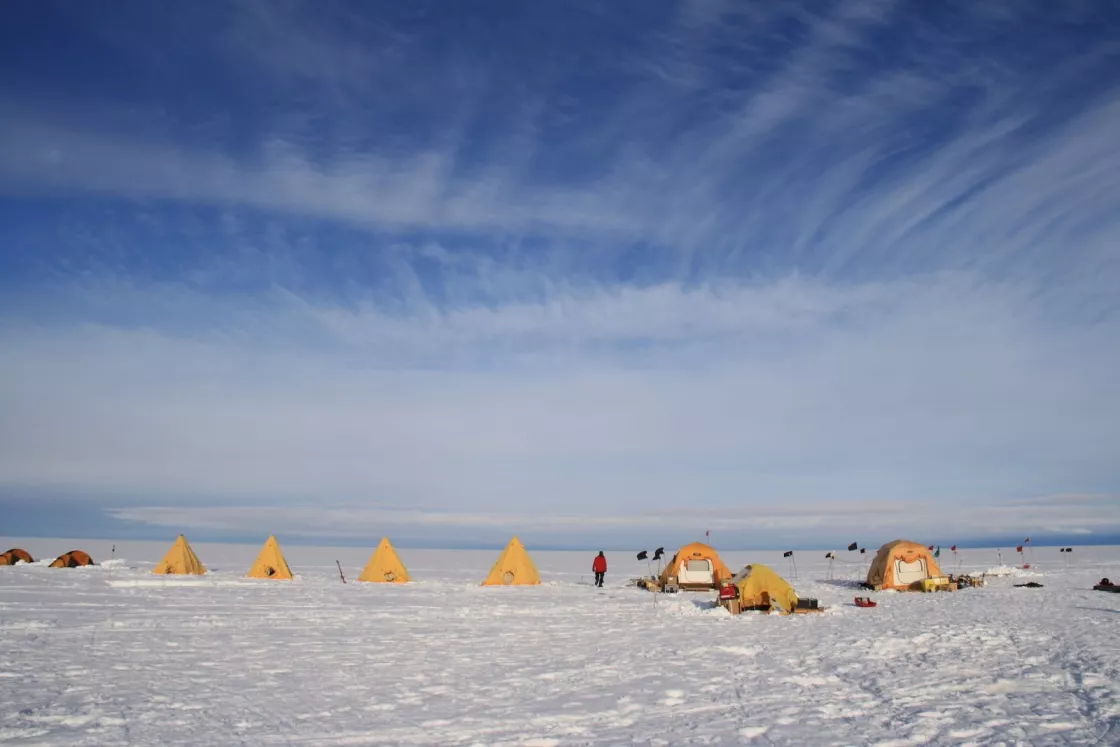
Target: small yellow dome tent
696 566
760 588
270 563
180 559
514 567
902 565
384 566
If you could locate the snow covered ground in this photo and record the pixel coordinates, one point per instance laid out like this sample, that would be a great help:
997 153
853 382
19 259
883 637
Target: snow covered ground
112 655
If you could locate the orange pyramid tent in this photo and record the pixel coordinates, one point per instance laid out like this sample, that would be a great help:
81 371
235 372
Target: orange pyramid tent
514 567
384 566
270 563
180 559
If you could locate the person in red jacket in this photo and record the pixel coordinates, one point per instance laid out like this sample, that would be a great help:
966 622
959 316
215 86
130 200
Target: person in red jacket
599 566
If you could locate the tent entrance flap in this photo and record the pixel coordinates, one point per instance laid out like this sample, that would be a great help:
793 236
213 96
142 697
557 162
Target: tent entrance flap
909 573
696 572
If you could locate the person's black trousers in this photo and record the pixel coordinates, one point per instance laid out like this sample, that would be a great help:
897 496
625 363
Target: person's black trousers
599 579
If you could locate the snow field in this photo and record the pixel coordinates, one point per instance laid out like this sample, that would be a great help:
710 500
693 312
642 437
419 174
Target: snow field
113 655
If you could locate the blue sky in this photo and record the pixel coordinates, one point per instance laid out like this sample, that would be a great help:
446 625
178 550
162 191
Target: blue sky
596 274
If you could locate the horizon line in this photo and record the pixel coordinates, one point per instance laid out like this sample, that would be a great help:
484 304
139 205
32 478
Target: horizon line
1108 541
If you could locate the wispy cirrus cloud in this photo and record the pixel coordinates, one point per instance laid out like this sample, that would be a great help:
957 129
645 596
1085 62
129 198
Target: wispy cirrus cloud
935 391
822 158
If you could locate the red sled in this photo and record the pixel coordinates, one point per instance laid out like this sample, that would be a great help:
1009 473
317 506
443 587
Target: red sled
865 602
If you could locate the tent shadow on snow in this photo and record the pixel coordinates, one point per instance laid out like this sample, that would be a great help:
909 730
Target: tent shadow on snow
843 584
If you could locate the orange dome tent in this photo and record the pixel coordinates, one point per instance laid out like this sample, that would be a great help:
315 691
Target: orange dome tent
15 555
902 565
72 559
696 566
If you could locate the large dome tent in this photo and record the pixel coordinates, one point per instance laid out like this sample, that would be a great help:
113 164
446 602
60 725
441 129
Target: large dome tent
902 565
695 567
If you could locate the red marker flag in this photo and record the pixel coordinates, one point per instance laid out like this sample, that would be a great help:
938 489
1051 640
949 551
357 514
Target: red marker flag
953 548
1019 548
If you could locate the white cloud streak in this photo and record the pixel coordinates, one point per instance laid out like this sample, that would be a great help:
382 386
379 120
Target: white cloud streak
1054 515
943 392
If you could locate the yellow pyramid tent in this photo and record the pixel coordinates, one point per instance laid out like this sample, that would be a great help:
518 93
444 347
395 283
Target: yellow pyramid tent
270 563
180 559
384 566
514 567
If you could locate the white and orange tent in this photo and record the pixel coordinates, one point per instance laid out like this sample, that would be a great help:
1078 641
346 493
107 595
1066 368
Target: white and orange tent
902 565
696 566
